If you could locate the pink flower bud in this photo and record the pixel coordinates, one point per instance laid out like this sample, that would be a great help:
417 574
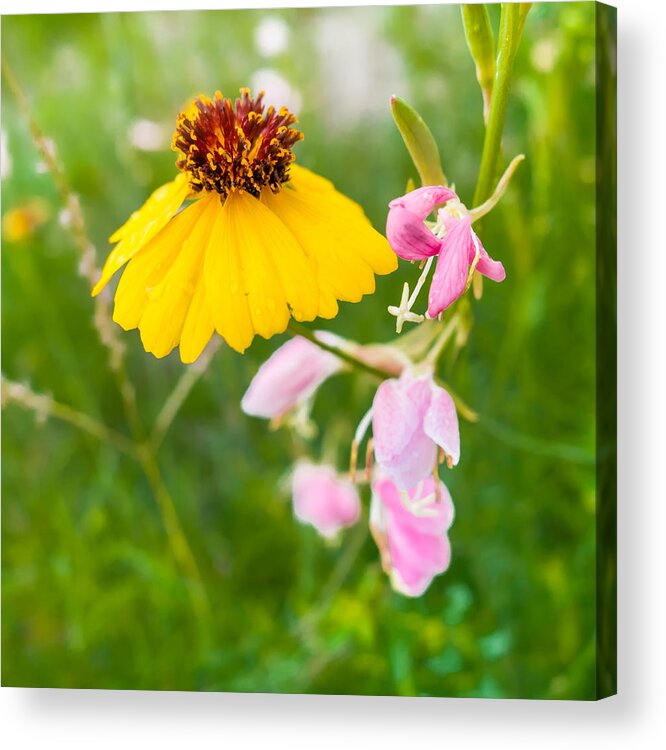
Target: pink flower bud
289 377
324 499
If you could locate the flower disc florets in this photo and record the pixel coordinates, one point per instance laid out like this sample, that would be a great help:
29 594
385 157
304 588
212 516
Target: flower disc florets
225 146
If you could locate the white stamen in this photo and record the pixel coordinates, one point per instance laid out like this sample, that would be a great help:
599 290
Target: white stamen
420 282
402 311
418 507
363 426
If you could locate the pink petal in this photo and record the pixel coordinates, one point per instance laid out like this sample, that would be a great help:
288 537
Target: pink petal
441 422
422 200
394 420
414 544
288 377
402 448
450 277
486 266
323 499
409 237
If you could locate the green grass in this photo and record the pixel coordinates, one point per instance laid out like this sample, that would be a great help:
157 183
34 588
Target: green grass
92 595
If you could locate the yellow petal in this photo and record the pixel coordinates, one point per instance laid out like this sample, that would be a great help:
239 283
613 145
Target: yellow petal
301 178
164 317
149 266
225 288
277 252
198 327
335 233
256 260
143 225
336 208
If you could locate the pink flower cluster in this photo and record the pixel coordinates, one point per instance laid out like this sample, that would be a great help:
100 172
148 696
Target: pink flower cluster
413 421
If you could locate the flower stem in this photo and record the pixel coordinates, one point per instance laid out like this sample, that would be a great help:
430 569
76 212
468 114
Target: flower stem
441 341
512 20
176 537
296 329
44 407
181 391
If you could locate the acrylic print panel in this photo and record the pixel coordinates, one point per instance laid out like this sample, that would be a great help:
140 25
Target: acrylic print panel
333 410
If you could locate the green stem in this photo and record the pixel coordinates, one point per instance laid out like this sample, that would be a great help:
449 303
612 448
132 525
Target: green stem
512 19
175 535
177 397
45 406
296 329
343 567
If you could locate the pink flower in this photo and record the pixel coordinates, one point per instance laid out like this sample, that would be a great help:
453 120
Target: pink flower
410 531
290 376
457 246
411 416
324 499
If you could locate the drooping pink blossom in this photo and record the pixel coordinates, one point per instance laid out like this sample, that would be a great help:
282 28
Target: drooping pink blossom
409 237
410 531
324 499
411 417
457 246
290 376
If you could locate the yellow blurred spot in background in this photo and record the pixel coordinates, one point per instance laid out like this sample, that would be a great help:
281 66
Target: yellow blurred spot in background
22 222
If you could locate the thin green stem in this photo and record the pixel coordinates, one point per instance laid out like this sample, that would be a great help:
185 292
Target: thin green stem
44 406
441 341
175 534
296 329
512 19
343 567
178 395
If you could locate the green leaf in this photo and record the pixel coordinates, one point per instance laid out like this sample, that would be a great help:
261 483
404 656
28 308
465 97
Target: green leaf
419 141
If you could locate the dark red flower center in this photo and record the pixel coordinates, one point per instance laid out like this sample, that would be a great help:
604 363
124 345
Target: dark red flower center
244 145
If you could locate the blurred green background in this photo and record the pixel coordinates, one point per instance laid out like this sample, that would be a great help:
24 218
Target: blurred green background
91 594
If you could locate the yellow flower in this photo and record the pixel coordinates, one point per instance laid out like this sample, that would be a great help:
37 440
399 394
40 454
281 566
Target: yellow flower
261 240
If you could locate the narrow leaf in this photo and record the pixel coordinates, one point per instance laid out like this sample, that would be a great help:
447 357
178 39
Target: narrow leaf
419 141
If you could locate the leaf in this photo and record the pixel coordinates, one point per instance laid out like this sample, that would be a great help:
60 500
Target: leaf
419 141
